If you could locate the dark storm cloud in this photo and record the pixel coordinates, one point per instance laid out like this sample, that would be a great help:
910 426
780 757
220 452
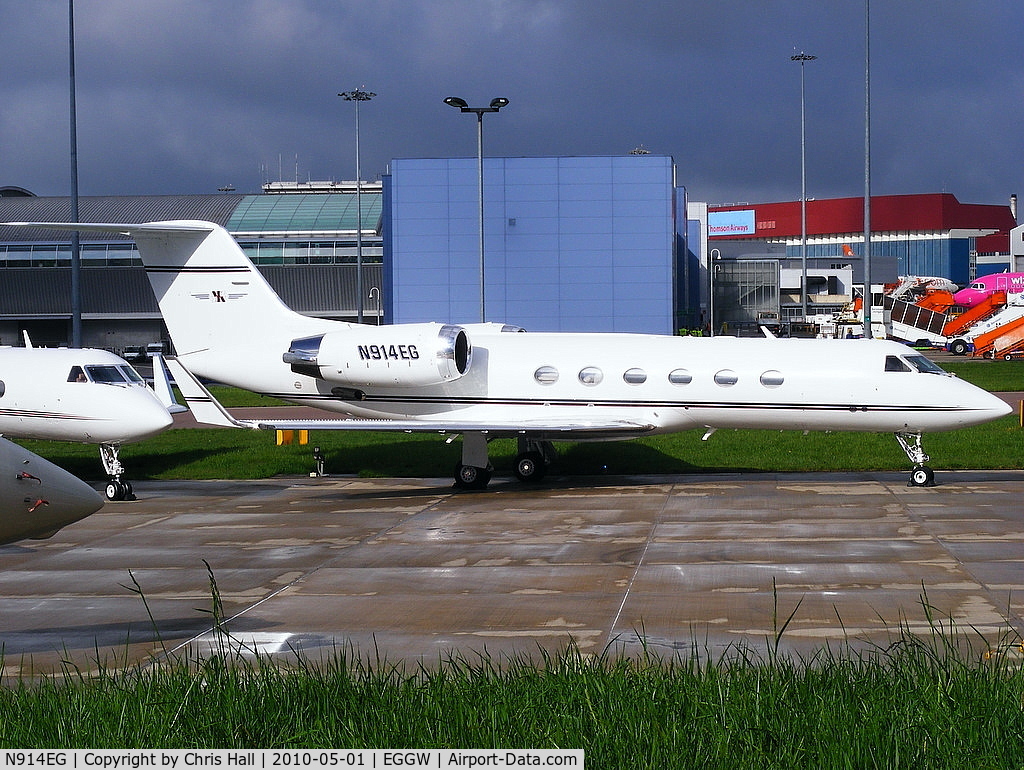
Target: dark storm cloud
189 95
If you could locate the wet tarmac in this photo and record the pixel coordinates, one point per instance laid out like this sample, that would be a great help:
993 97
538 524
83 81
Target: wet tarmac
410 571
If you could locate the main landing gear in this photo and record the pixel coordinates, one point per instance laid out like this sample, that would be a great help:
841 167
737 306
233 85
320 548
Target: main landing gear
474 470
921 475
117 488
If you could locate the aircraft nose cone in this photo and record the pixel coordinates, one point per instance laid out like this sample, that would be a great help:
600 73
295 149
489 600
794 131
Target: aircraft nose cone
998 406
153 418
37 498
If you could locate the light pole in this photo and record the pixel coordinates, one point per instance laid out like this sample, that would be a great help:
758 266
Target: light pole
358 96
869 296
496 104
76 252
803 58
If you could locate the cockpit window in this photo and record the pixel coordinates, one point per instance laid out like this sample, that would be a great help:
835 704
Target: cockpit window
77 375
896 364
131 375
926 365
105 373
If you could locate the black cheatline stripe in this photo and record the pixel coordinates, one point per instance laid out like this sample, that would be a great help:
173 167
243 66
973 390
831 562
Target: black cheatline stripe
187 269
47 415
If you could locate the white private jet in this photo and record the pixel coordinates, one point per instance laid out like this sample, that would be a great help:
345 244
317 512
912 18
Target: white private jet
79 394
485 380
37 498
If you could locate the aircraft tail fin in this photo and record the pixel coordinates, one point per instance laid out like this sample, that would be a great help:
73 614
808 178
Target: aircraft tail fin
211 297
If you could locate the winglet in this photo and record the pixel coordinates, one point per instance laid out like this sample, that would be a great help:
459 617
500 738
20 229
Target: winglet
162 386
204 407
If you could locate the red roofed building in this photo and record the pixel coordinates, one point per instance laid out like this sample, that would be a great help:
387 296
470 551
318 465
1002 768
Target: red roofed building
932 234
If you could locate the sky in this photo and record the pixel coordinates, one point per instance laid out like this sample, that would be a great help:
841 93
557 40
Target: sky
187 96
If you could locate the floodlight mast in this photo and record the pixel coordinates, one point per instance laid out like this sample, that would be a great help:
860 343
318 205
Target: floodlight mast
803 58
358 96
463 106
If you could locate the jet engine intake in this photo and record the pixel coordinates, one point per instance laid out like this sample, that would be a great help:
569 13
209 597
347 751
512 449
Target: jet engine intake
382 356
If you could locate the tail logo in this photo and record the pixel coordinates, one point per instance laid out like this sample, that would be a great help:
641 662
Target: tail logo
218 296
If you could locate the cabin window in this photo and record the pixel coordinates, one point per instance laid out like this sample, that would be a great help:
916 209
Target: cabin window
635 376
105 373
546 375
77 375
925 365
131 375
772 379
591 375
680 377
726 378
896 364
3 388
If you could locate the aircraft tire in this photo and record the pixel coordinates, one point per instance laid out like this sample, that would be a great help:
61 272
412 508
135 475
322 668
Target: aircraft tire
530 467
115 490
922 476
471 477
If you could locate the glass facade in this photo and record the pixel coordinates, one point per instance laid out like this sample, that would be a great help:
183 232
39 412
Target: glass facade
571 244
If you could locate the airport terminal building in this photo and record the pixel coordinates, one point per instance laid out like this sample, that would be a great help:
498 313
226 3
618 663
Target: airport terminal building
581 244
571 244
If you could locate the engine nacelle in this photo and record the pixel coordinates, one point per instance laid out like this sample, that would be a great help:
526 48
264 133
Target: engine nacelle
381 356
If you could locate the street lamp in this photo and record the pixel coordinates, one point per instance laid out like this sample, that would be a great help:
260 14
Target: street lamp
803 58
358 96
495 105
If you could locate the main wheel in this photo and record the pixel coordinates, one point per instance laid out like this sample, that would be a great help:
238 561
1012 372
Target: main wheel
471 477
922 476
116 490
530 466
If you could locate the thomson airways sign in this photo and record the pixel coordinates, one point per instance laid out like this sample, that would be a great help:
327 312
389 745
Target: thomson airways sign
731 223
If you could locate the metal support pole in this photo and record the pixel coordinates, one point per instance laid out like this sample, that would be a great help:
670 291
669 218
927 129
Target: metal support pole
76 251
803 58
462 105
868 295
358 96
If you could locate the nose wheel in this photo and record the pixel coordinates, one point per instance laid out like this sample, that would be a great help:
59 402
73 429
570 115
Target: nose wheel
922 476
117 489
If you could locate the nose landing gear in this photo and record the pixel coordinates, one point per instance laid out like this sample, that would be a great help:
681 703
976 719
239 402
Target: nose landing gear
922 475
117 488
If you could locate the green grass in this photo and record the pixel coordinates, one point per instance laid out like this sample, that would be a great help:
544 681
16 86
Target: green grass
224 453
237 454
995 376
915 704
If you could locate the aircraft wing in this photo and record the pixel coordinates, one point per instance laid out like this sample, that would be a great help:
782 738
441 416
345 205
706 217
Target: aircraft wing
207 410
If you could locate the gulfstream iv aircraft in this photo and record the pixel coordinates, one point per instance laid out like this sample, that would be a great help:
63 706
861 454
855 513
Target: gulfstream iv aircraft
79 394
484 380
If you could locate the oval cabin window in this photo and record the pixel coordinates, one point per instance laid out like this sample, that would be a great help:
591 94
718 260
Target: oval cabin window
546 375
635 376
591 375
726 377
772 379
680 377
